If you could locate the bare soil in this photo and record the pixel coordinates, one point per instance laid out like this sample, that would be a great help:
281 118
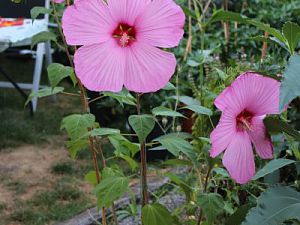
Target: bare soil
29 166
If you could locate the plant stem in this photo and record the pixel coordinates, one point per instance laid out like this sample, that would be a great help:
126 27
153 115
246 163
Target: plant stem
95 164
144 190
104 165
71 94
188 47
96 99
84 101
204 190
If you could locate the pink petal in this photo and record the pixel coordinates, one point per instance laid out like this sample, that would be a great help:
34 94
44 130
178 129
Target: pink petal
228 100
251 91
100 67
261 140
148 69
222 135
87 22
161 24
238 158
126 11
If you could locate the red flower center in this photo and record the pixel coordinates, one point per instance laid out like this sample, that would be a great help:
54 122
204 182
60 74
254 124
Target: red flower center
243 120
124 34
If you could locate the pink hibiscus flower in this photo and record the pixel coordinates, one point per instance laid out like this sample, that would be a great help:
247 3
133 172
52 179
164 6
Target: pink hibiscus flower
119 42
244 105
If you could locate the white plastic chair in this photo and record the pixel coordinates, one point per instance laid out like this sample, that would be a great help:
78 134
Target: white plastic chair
8 39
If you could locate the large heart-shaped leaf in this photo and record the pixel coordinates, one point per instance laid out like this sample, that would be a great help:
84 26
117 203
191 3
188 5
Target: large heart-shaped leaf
110 189
142 125
175 145
38 10
212 205
156 214
290 85
57 72
274 206
77 124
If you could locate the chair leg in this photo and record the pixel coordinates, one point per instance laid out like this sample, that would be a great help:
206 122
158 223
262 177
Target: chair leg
48 53
37 72
49 60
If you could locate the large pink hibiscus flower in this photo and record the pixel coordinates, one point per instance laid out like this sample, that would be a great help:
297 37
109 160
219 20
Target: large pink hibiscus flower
119 42
244 105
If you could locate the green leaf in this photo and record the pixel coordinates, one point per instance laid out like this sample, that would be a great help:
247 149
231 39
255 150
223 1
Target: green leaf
156 214
291 31
277 126
44 93
221 74
270 40
290 85
239 215
77 124
187 100
142 125
57 72
163 111
169 87
131 162
123 146
221 15
193 63
199 109
43 37
175 145
38 10
212 205
123 97
73 79
109 172
220 171
182 135
188 191
103 131
91 178
274 206
110 189
188 12
261 38
74 146
273 165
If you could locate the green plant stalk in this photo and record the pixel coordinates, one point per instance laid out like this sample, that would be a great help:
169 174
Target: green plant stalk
82 96
177 98
143 169
204 191
201 60
114 215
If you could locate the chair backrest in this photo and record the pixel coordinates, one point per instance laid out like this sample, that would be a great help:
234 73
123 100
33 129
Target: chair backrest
9 9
